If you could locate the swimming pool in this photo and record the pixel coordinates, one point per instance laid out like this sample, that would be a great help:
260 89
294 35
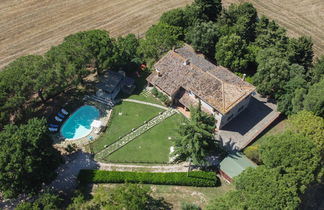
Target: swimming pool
78 125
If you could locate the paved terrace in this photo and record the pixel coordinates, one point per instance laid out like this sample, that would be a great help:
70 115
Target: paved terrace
243 129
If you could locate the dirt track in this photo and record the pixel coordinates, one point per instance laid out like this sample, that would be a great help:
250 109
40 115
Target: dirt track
33 26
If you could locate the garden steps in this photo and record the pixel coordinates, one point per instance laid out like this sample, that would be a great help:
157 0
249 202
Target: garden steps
134 134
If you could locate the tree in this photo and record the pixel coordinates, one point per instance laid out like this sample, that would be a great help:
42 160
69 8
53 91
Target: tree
272 74
298 99
45 201
264 188
210 9
231 52
18 83
293 155
203 37
317 72
314 100
270 35
239 19
297 81
159 39
98 44
125 53
176 17
196 137
126 196
27 158
309 125
300 51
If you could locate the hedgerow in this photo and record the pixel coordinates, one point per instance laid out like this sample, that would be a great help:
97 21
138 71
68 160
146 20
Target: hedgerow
195 178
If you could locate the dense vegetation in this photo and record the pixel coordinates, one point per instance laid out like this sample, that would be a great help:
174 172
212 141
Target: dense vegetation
27 158
291 163
194 178
127 196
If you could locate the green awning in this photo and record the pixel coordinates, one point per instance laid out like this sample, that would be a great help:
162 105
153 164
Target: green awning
235 163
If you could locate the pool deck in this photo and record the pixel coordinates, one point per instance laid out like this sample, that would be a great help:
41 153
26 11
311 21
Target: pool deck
60 142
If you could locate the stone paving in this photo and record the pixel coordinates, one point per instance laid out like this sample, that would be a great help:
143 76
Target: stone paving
132 135
243 129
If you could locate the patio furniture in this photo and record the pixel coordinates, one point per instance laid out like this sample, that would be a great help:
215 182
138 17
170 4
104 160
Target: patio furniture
52 129
53 125
60 115
58 119
64 111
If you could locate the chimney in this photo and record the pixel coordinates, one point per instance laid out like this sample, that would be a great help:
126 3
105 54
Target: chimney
187 62
243 78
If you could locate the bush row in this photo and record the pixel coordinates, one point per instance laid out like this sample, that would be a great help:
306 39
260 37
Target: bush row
195 178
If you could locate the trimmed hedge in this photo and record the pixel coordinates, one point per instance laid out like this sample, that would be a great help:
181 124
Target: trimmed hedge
195 178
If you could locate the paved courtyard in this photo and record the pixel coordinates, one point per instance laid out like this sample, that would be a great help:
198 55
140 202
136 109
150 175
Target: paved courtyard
243 129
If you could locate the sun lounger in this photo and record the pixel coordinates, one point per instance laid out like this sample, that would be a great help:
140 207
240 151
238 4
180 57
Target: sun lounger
58 119
52 129
53 125
64 111
60 115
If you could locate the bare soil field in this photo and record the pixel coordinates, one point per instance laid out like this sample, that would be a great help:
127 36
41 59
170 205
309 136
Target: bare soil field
33 26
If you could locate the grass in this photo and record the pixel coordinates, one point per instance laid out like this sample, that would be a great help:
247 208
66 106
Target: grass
175 195
133 116
280 127
151 147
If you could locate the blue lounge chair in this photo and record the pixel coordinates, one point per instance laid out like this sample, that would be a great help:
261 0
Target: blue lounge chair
58 119
60 115
53 125
52 129
64 111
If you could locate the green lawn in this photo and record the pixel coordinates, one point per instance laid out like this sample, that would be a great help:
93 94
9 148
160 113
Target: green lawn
132 115
151 147
277 129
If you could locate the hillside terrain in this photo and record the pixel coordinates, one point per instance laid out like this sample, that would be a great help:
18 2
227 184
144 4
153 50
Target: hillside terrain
33 26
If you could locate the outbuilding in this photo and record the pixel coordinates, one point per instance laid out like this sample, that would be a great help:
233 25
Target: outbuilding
233 165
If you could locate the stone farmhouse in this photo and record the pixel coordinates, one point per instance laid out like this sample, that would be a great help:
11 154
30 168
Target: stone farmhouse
187 78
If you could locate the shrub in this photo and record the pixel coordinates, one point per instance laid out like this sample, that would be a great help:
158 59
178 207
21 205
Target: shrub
253 153
195 178
154 91
161 96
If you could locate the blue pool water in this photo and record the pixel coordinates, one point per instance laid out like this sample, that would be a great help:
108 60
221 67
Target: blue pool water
78 125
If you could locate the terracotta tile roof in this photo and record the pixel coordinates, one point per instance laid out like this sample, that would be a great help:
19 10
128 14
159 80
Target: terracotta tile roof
216 85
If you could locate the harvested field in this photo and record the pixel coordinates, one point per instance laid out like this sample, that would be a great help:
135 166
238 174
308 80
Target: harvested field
33 26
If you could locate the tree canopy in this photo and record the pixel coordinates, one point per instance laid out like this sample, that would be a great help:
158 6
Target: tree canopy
309 125
196 137
159 39
294 155
203 37
314 100
27 158
232 52
301 52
